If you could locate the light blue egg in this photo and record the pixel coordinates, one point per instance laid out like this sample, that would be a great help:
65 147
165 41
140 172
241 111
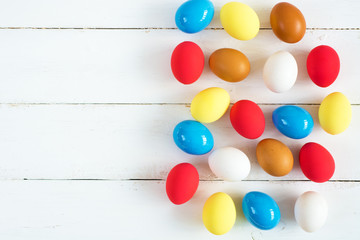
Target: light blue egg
261 210
194 15
293 121
193 137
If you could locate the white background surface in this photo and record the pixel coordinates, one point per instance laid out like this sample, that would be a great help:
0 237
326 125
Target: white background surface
88 104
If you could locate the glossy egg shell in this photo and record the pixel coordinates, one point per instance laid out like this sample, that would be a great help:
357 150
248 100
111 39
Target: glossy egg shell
229 64
316 162
182 183
187 62
194 15
323 65
293 121
247 119
261 210
287 22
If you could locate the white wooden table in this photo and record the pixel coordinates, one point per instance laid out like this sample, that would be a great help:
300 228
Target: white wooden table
88 105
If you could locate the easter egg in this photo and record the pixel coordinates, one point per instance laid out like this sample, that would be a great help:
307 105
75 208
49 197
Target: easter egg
316 162
229 164
210 104
193 137
280 71
187 62
311 211
335 113
182 183
293 121
287 22
247 119
323 65
229 64
261 210
239 20
274 157
219 213
194 15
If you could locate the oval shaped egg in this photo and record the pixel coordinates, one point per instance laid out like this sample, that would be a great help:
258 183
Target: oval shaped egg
229 164
239 20
316 162
182 183
193 137
247 119
274 157
293 121
210 104
229 64
280 71
187 62
323 65
261 210
311 211
287 22
194 15
219 213
335 113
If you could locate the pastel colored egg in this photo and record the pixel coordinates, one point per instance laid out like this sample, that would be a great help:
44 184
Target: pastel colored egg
323 65
335 113
229 64
194 15
193 137
274 157
239 20
210 104
229 164
311 211
182 183
316 162
280 72
293 121
261 210
187 62
247 119
287 22
219 213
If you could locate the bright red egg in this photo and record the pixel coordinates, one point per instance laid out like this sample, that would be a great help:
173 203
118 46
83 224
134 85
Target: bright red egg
182 183
316 162
187 62
323 65
247 119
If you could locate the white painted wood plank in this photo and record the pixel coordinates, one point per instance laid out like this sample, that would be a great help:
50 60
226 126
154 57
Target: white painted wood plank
135 142
102 66
160 13
141 210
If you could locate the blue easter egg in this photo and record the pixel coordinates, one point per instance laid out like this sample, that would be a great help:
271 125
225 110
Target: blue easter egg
293 121
194 15
193 137
261 210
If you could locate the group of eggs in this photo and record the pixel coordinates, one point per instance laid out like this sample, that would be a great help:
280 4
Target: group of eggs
279 73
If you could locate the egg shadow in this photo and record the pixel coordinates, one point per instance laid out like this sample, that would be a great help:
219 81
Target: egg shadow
286 206
240 217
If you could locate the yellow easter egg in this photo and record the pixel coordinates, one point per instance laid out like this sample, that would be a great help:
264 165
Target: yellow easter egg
210 104
239 20
335 113
219 213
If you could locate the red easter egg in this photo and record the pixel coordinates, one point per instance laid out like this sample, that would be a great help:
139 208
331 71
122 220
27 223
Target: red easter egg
187 62
247 119
182 183
323 65
316 162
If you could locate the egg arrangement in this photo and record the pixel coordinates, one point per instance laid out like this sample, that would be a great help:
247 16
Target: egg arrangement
280 72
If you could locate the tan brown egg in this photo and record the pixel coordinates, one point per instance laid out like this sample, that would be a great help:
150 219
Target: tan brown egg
229 64
274 157
287 22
